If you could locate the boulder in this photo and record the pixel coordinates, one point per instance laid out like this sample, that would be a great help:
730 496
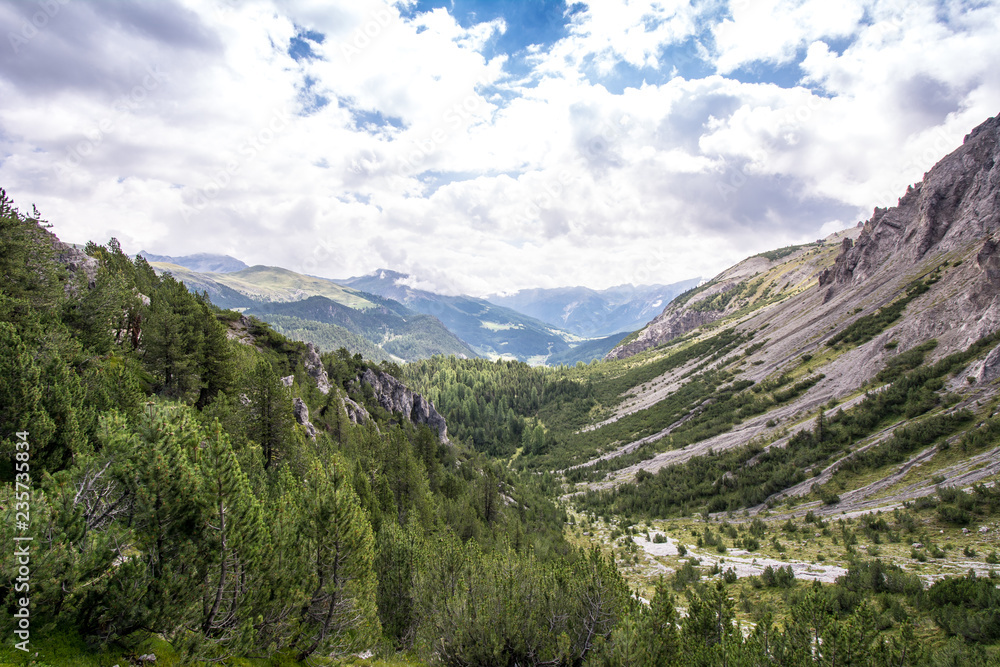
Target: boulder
316 369
301 411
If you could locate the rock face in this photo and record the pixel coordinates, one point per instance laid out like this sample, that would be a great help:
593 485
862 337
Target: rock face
356 413
316 369
301 411
938 249
953 213
669 325
987 370
957 202
240 331
397 398
76 262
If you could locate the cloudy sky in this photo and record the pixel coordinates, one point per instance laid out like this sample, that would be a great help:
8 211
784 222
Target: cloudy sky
481 145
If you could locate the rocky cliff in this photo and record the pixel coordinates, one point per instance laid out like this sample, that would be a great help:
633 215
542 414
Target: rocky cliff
957 202
953 212
397 398
316 369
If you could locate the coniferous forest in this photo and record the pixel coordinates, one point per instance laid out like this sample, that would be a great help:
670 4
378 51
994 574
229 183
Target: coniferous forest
191 492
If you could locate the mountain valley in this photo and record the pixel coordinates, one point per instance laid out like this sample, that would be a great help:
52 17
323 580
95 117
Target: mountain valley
795 462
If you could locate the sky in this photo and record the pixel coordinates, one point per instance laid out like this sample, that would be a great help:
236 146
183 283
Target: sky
483 147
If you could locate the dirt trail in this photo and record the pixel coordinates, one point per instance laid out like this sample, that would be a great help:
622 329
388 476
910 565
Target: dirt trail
745 564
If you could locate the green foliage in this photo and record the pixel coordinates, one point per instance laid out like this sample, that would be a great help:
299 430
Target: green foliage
488 404
340 616
904 362
775 255
959 507
157 443
327 336
966 606
875 576
30 277
780 577
411 336
686 296
725 481
649 636
175 500
500 609
399 558
267 417
706 406
867 327
722 300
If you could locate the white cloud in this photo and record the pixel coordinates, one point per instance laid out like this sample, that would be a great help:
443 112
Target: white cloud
429 157
608 32
772 31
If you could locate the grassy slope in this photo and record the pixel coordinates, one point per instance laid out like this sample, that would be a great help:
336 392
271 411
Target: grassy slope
269 283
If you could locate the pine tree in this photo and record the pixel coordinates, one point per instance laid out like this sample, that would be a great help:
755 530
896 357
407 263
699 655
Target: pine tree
169 516
287 564
340 616
20 395
29 276
397 561
215 368
169 344
103 317
710 631
268 411
235 539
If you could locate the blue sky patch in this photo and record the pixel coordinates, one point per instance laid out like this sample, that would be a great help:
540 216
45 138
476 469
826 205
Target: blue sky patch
370 120
786 75
300 47
311 100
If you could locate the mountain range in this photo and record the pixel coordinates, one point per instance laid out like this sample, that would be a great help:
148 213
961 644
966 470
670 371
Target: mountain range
491 330
594 313
827 412
382 317
199 262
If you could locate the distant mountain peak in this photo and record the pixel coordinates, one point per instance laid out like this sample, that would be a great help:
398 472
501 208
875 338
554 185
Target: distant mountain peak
593 313
202 262
386 274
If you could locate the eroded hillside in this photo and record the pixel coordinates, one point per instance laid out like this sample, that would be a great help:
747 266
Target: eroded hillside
886 329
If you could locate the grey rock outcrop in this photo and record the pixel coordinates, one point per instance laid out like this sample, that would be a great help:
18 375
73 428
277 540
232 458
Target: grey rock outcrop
78 263
301 411
671 324
316 369
956 203
984 371
355 413
397 398
240 332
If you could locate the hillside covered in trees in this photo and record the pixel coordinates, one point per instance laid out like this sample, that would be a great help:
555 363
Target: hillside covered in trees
187 481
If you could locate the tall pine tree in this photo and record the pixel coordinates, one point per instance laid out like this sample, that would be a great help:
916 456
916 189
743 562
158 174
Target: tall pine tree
340 615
